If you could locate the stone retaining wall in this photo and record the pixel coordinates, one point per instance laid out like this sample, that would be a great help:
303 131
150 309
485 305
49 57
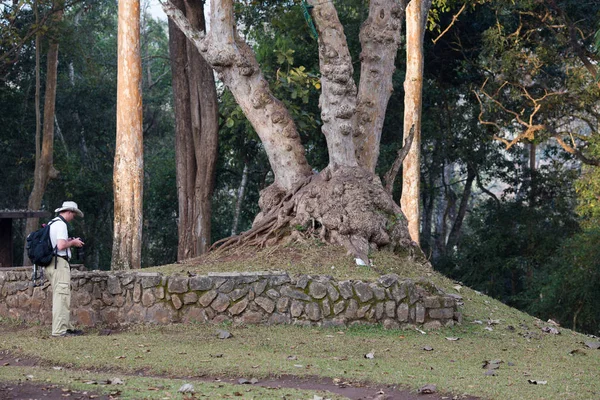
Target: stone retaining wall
121 298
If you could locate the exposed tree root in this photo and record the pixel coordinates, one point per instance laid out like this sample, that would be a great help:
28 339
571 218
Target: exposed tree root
348 207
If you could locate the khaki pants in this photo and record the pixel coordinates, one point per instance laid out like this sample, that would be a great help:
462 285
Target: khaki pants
60 279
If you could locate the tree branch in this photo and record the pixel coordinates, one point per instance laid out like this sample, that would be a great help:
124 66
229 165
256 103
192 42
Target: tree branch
454 19
237 67
390 176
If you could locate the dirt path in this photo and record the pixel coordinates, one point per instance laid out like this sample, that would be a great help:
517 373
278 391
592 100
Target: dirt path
354 391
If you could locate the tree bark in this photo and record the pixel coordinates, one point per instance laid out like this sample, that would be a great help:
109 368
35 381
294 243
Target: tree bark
129 152
44 161
196 111
380 38
416 18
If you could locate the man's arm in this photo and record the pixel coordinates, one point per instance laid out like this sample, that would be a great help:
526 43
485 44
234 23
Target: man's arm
63 244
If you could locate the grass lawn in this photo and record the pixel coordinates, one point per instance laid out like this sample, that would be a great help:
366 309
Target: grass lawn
562 365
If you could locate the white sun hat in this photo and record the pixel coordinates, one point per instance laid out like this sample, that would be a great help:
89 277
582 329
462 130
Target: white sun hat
70 206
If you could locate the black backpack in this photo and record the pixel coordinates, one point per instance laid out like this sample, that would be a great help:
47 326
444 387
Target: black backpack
39 245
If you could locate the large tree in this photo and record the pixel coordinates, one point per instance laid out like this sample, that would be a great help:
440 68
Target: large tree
129 160
345 203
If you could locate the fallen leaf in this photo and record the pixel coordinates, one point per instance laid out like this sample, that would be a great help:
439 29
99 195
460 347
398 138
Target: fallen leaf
223 334
428 389
452 339
120 357
428 348
115 381
291 358
550 329
553 322
421 332
370 355
186 388
536 382
577 352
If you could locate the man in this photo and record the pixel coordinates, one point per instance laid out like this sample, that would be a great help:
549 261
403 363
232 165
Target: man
59 270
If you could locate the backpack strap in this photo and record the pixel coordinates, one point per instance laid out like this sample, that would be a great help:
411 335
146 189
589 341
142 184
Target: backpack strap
56 247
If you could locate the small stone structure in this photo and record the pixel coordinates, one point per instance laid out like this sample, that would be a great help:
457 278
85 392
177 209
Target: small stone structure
102 298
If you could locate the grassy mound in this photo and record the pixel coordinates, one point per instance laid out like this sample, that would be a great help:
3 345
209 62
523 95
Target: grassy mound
497 353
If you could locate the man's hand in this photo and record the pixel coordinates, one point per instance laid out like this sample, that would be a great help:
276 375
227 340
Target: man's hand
75 242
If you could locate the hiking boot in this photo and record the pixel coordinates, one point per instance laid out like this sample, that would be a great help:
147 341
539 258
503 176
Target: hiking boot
70 332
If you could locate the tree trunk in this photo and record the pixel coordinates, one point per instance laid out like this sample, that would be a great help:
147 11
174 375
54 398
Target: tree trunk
129 152
240 200
455 232
416 18
380 38
44 161
196 111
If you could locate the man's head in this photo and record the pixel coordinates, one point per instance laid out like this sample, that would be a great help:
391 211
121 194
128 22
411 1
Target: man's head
69 210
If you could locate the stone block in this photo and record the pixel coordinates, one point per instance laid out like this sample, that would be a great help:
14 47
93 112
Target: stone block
266 304
317 290
352 309
363 291
252 317
227 286
402 312
148 298
388 280
339 307
220 303
150 279
237 294
326 308
279 319
294 294
345 288
332 292
190 298
296 308
441 313
202 283
273 294
259 286
420 313
114 285
176 300
302 281
432 302
178 284
313 311
238 307
207 298
283 304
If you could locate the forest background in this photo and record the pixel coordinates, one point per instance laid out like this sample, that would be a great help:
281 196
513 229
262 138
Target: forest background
510 154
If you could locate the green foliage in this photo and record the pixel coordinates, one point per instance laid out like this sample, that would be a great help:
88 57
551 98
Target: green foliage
507 248
570 293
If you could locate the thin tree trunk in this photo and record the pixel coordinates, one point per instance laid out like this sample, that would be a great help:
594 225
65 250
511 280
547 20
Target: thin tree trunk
240 200
44 165
184 145
416 17
205 129
129 152
196 110
455 232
